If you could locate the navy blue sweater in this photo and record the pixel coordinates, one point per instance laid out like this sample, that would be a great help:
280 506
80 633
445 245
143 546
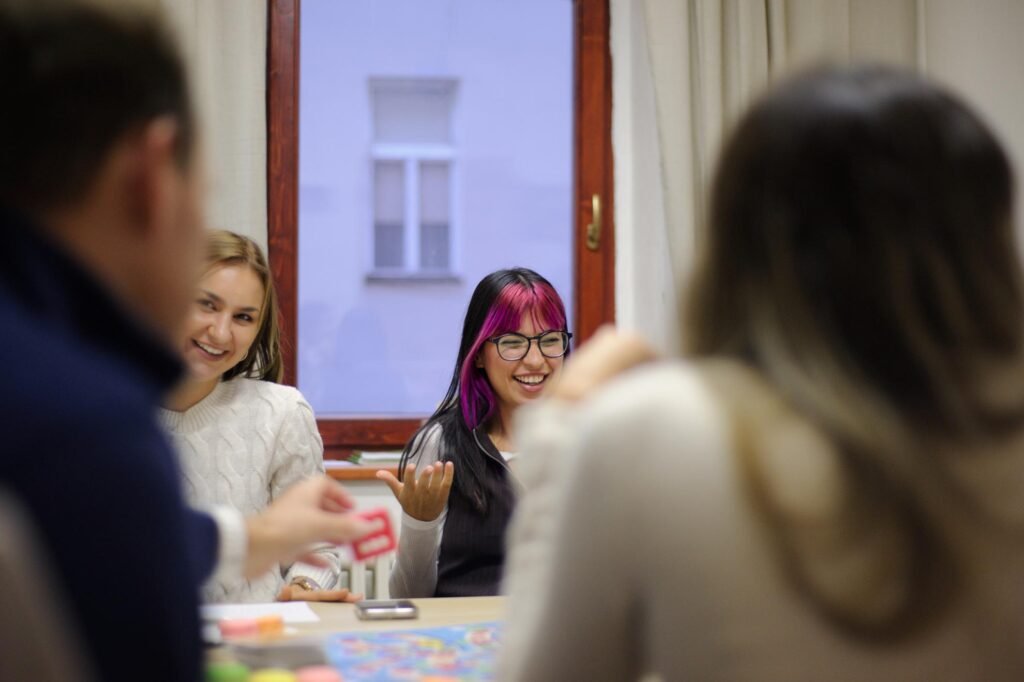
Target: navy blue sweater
81 449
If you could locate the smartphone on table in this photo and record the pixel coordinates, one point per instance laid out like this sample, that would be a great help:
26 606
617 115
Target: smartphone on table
386 609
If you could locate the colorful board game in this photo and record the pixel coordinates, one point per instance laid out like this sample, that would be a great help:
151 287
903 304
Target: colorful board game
457 652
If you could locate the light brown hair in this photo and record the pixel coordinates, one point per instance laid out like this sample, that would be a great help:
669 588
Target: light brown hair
263 361
861 258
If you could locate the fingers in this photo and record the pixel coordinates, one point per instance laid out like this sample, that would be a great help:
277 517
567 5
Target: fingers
409 475
447 479
338 529
330 506
333 495
438 470
426 477
296 593
421 496
392 482
317 526
429 482
323 491
341 594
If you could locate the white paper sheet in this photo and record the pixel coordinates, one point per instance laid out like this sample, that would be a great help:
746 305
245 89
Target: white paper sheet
290 611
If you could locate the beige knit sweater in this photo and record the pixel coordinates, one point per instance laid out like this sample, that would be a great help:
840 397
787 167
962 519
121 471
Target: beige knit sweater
635 550
242 446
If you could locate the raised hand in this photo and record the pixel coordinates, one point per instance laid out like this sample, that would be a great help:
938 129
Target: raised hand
425 497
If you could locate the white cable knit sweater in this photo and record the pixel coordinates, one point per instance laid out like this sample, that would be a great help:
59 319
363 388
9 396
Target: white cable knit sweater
242 446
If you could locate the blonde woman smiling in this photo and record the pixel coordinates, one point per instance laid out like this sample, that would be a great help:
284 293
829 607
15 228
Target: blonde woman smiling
242 438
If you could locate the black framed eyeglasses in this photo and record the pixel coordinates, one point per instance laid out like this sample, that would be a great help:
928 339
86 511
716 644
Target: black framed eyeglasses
514 346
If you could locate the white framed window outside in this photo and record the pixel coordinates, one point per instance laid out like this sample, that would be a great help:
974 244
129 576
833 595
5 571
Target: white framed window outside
413 167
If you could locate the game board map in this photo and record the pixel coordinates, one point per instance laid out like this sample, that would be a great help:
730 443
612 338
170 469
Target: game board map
455 652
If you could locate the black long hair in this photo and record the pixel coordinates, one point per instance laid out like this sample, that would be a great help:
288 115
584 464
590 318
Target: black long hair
497 307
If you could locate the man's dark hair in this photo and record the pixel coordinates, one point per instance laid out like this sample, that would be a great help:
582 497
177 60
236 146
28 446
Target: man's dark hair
77 77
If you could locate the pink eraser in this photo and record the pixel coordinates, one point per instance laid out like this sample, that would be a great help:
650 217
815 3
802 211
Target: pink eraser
317 673
379 540
238 627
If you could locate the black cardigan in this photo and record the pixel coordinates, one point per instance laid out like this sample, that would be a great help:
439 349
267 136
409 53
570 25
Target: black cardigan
473 544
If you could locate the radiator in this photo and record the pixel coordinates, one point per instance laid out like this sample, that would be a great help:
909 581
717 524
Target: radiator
369 578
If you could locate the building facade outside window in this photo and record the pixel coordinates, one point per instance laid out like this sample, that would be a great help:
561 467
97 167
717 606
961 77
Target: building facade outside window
413 162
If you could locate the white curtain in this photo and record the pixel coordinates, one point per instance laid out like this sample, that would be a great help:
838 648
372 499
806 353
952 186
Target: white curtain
225 47
976 48
683 70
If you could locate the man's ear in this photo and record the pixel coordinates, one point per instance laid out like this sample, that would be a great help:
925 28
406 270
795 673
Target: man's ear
154 176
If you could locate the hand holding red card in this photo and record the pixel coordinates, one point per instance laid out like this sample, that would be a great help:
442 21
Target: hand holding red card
379 540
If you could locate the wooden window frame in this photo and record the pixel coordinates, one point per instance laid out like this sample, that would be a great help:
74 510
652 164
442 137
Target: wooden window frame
593 169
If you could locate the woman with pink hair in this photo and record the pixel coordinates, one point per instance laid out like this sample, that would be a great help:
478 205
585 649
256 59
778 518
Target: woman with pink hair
455 486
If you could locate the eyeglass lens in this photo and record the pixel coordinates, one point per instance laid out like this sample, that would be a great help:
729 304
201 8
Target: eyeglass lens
516 346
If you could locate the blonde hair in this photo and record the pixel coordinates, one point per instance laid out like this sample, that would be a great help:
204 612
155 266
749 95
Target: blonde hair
263 361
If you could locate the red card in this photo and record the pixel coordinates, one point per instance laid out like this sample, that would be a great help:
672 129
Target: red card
380 540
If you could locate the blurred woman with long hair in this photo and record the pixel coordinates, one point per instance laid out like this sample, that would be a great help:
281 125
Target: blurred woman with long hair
831 486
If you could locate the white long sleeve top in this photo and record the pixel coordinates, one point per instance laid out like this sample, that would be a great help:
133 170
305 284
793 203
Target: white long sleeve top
241 447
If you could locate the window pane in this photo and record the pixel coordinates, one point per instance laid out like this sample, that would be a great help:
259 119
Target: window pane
387 245
434 247
389 212
412 111
477 98
435 191
389 191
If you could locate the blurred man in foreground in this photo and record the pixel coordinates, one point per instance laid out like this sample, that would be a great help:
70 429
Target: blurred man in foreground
100 228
